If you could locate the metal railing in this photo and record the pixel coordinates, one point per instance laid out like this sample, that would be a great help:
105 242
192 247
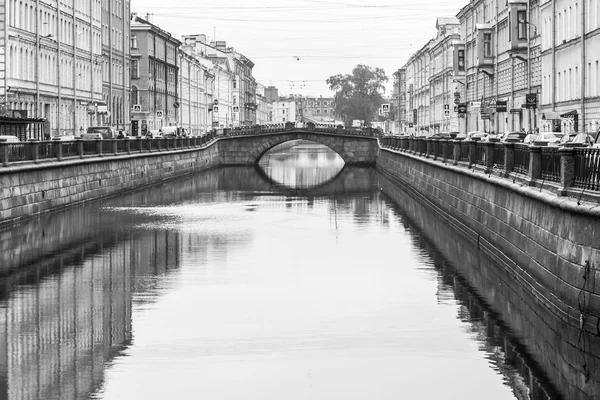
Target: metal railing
566 167
499 159
550 164
521 159
587 169
36 151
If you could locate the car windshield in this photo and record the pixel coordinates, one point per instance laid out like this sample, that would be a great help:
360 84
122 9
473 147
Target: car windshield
549 136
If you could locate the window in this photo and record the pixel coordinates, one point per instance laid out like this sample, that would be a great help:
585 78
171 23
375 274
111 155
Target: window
135 69
522 24
487 44
134 42
461 60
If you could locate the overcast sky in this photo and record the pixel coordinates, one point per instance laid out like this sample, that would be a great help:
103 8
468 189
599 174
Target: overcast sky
297 44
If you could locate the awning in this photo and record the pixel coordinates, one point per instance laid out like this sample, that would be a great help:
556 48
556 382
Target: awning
572 113
550 115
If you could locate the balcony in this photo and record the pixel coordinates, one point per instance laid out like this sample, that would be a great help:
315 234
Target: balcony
484 49
518 28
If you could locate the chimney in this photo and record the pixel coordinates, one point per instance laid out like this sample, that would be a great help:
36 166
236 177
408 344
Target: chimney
221 45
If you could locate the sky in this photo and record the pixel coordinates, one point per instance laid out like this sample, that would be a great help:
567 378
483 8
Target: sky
297 44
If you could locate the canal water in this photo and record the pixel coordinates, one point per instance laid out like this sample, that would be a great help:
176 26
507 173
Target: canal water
299 279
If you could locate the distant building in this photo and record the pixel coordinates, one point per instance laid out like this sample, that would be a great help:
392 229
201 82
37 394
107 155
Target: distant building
272 94
283 110
235 86
262 112
316 109
154 77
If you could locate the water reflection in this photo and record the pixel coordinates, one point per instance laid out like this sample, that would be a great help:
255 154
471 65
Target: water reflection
228 285
301 164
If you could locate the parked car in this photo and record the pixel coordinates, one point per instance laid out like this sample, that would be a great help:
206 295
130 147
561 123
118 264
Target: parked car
582 139
548 139
596 143
64 137
91 136
461 136
514 137
169 131
530 138
476 135
441 135
107 132
9 139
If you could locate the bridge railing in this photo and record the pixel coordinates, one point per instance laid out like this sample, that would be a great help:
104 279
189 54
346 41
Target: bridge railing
56 150
569 168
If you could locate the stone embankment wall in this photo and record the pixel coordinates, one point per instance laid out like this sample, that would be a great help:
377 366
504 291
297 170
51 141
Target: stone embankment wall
32 189
549 245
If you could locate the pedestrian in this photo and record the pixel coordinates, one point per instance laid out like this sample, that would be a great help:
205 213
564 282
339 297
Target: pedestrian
120 135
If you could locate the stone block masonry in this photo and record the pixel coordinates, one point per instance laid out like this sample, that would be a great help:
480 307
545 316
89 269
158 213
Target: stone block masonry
38 188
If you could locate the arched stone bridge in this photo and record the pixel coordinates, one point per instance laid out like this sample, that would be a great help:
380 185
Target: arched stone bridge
247 146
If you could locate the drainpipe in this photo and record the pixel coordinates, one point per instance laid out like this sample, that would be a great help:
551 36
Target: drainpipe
529 112
496 77
553 55
37 59
583 66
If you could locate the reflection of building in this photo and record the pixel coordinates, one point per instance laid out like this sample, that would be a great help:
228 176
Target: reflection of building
51 64
154 72
570 99
61 331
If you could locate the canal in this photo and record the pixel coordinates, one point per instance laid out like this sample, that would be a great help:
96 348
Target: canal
298 279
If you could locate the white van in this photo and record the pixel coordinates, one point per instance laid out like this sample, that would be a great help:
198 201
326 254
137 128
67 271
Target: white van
107 132
9 139
169 131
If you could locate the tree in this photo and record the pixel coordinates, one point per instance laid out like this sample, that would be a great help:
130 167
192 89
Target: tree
358 95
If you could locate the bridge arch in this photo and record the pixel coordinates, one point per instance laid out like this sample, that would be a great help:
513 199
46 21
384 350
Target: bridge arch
249 149
267 146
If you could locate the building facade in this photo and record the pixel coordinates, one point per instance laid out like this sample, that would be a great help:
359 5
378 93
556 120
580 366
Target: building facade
116 55
570 51
154 77
262 111
444 114
235 87
316 109
283 110
52 63
417 81
488 65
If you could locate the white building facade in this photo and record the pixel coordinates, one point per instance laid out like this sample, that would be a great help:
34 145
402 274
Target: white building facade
570 98
53 62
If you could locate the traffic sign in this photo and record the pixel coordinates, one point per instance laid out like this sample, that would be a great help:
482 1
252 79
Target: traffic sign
462 108
501 105
531 100
457 101
385 108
